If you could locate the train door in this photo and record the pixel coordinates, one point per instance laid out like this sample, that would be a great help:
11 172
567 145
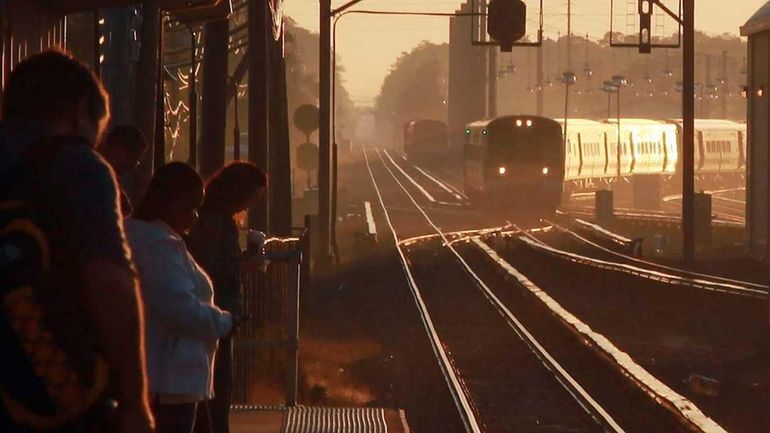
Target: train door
701 157
581 154
632 151
741 149
606 154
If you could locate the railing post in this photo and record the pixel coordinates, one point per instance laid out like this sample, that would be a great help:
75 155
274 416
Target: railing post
292 331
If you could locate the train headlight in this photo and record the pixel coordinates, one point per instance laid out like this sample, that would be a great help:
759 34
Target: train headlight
545 171
502 170
519 123
529 123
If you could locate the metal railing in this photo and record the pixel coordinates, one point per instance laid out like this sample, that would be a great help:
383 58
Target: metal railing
271 298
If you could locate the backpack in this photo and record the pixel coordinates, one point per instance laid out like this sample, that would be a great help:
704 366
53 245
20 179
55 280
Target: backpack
46 380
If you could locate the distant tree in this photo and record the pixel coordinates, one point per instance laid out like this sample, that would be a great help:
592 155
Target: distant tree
415 88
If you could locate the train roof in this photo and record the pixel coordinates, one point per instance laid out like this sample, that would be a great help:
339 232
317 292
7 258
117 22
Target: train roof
712 123
579 122
425 122
635 121
484 123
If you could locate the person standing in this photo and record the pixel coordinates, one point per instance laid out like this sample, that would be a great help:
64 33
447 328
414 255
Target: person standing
183 324
214 244
123 148
53 112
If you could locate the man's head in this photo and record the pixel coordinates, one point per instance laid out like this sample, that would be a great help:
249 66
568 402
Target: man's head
123 147
59 92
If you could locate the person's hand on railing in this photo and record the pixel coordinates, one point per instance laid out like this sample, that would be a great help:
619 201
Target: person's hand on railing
237 322
253 263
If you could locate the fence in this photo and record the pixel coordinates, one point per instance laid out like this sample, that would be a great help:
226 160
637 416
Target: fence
268 343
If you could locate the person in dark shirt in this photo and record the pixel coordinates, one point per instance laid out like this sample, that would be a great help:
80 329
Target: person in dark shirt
214 244
53 98
123 148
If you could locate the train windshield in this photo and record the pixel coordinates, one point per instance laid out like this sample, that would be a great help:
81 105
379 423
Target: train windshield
539 142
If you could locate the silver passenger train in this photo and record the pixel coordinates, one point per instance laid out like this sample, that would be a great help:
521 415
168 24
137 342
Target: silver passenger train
527 162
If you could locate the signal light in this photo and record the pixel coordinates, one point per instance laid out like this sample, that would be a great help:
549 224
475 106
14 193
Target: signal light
506 22
519 123
484 132
545 171
502 170
529 123
467 131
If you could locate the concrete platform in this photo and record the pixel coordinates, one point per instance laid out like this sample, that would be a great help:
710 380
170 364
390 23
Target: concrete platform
304 419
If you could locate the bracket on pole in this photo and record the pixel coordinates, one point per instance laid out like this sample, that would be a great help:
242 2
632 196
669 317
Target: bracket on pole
479 36
645 42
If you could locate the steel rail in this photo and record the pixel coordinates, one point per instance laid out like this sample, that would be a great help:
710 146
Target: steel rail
578 393
446 187
698 283
652 216
455 388
686 411
419 186
682 272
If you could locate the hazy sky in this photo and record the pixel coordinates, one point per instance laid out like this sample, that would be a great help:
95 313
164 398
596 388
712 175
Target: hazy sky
368 45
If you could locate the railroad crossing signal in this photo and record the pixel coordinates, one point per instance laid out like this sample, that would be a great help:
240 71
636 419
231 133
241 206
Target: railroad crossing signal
507 22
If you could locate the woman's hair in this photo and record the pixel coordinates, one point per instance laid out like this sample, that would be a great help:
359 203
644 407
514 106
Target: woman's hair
174 184
228 189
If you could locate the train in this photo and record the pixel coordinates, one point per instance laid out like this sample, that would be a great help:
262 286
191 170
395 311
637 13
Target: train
425 140
533 162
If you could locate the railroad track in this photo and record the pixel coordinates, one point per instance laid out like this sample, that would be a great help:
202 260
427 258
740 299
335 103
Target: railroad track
576 246
675 330
498 354
671 217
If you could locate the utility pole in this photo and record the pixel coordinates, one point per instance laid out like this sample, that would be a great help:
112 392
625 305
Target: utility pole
540 81
324 134
569 35
492 82
688 132
705 93
723 86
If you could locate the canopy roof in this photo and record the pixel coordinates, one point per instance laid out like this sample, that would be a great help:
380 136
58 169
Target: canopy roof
758 23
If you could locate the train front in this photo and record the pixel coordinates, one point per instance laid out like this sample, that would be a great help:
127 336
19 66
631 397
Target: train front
523 164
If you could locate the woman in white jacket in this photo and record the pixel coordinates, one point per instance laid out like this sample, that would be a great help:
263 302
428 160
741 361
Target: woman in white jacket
182 323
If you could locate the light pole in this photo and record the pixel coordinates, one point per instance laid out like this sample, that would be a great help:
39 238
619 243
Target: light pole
568 78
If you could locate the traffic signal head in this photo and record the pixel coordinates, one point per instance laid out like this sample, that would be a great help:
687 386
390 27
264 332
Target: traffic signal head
506 22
